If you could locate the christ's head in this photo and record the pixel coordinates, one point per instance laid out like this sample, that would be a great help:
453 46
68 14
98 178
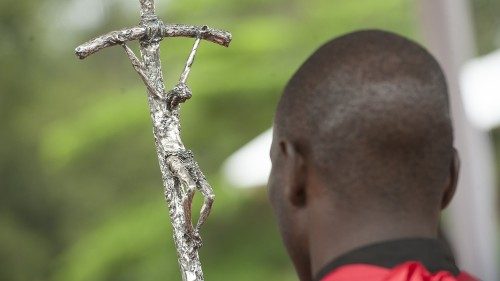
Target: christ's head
362 148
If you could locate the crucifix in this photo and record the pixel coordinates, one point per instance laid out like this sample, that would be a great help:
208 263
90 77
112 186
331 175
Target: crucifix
181 174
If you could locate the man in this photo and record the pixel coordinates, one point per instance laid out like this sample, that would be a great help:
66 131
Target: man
363 162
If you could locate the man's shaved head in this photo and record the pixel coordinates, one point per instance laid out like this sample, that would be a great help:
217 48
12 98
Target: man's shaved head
370 110
366 117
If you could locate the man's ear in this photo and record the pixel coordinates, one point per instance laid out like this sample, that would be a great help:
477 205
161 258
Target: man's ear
451 185
295 174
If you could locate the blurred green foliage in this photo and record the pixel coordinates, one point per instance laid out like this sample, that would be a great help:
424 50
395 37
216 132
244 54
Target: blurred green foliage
487 25
81 193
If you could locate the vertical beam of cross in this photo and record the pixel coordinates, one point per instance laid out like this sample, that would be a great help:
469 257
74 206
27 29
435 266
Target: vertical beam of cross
180 173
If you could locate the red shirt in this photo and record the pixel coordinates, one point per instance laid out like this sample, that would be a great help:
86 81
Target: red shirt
409 271
415 259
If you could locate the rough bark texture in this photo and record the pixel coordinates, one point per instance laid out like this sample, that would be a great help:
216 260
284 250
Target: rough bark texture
137 32
180 172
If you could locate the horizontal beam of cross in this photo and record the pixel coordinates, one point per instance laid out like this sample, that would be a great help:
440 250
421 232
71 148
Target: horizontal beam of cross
166 30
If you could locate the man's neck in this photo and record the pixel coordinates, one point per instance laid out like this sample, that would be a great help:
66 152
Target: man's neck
341 234
432 254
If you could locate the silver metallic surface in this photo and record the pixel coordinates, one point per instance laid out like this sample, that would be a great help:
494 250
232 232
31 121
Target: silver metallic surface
191 57
180 173
135 33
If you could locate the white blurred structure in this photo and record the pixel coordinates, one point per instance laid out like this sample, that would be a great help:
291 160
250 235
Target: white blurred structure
250 165
480 85
447 29
475 106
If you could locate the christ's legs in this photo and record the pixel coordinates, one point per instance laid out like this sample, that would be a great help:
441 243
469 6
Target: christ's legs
188 188
209 197
186 170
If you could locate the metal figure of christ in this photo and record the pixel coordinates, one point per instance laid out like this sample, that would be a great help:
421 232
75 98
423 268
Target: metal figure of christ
180 172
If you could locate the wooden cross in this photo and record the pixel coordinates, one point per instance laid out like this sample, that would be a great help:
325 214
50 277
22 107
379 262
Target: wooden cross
180 172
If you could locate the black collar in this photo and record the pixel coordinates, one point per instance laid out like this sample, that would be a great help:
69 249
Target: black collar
432 253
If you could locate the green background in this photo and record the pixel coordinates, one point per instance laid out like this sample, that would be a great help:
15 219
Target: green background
80 189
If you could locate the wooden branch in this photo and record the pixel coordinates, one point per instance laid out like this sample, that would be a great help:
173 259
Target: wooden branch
119 37
216 36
